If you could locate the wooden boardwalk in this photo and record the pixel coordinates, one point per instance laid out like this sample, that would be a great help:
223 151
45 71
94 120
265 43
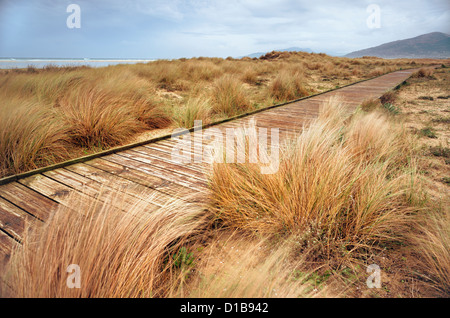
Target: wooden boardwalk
150 169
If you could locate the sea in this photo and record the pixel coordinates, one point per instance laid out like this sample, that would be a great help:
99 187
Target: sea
12 63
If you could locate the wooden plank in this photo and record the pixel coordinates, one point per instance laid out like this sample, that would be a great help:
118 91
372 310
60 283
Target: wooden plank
165 161
282 121
30 201
116 182
168 167
144 178
180 168
162 155
96 190
6 246
172 176
168 146
13 219
59 192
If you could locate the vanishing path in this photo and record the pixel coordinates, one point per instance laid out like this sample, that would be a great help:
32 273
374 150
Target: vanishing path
146 170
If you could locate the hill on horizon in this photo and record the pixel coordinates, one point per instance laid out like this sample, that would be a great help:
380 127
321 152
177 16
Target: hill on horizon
430 45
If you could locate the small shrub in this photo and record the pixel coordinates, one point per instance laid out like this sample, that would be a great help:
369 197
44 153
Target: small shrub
391 108
423 72
440 151
428 132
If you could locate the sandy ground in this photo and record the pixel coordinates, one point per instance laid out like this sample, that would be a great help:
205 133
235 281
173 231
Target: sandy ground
425 103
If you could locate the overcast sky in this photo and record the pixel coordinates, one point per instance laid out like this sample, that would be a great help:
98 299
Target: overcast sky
174 29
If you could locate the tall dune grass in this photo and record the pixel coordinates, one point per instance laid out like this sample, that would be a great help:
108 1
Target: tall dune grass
48 114
134 254
96 118
194 109
234 266
119 254
323 188
30 136
228 97
287 86
431 241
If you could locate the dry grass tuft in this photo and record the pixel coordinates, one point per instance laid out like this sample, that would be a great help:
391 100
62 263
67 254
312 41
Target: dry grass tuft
194 109
423 72
370 105
235 266
119 254
322 187
432 243
97 118
228 97
388 98
287 86
29 137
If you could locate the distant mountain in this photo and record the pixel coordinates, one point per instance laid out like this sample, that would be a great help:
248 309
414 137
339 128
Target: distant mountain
291 49
430 45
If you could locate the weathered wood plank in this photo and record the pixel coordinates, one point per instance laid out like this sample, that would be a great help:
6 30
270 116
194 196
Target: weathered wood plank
118 183
140 173
96 190
145 178
6 246
34 203
13 219
59 192
169 175
165 163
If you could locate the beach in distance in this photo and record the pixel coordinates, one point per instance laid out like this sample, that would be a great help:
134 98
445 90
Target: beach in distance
12 63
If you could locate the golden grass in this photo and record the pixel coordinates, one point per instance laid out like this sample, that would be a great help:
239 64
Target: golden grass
363 136
194 109
370 104
235 266
423 72
49 114
119 254
30 136
288 86
96 118
134 255
432 243
228 97
327 185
